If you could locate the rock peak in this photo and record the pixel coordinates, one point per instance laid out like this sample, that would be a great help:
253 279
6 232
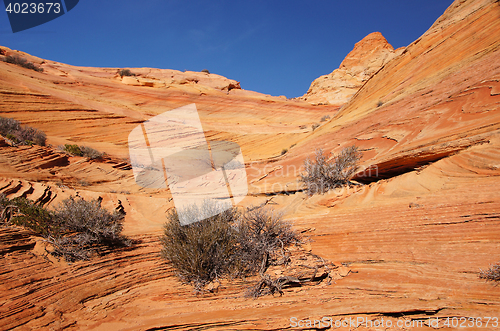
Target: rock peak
368 48
367 57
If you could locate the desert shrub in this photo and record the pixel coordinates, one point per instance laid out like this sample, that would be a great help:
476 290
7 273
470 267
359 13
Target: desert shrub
22 62
11 129
8 125
315 126
34 217
229 244
324 118
380 103
85 151
322 174
76 228
85 226
125 72
11 137
201 252
206 71
284 151
28 136
91 153
72 149
262 238
302 127
492 274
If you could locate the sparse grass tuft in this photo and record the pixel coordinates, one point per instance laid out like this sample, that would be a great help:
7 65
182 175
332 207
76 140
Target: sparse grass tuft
323 174
72 149
315 126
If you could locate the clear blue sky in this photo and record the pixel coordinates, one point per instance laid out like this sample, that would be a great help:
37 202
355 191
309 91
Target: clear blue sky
276 47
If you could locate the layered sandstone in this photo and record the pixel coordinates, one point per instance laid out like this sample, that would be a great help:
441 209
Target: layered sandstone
368 56
409 240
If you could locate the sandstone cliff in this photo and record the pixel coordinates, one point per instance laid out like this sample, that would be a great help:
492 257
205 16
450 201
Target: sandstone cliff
368 56
411 238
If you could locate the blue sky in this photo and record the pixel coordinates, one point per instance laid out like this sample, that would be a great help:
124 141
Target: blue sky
276 47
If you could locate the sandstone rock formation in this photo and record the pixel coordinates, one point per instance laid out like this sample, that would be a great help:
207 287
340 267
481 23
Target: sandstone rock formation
408 241
368 56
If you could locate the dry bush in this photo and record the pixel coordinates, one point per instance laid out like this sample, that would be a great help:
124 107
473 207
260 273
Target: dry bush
262 239
8 125
323 174
91 153
492 274
125 72
206 71
324 118
11 129
28 136
230 244
22 62
85 226
76 228
204 251
315 126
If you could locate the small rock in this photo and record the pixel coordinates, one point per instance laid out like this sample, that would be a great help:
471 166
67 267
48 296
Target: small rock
343 271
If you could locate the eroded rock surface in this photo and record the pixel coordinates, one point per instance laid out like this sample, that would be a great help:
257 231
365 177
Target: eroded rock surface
408 242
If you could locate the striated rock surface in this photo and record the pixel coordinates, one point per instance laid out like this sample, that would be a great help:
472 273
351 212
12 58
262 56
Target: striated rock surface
368 56
407 243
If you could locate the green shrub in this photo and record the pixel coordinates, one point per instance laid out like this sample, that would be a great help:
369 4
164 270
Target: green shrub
380 103
22 62
323 174
125 72
284 151
11 137
73 149
34 217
